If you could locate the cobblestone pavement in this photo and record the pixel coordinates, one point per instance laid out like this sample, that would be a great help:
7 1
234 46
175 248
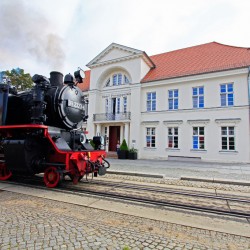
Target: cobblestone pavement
34 223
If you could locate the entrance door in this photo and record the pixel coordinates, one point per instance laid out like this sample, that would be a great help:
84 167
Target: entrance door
114 136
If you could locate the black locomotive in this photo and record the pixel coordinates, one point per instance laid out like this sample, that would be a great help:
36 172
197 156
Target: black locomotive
41 131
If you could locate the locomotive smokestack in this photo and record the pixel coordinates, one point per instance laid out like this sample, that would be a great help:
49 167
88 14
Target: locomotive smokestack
56 78
4 91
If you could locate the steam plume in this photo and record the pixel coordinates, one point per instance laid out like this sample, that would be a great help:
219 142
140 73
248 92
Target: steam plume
24 32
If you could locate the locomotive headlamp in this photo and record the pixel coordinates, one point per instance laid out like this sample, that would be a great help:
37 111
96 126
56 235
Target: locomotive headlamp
79 75
83 138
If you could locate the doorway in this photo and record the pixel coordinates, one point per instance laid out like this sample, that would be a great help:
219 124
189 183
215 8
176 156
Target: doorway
114 136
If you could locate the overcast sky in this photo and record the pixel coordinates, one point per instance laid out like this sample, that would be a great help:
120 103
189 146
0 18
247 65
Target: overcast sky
45 35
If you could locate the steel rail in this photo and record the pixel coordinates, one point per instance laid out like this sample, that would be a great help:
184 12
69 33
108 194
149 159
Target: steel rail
157 202
78 191
174 191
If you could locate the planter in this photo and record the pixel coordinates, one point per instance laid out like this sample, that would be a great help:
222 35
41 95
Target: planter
122 154
132 155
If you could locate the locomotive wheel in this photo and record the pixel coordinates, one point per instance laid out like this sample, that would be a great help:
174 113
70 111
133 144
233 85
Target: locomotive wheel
5 174
51 177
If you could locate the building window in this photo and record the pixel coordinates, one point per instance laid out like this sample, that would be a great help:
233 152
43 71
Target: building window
106 105
151 101
118 105
227 94
173 138
108 83
198 137
125 104
150 138
126 80
117 79
228 138
173 99
198 97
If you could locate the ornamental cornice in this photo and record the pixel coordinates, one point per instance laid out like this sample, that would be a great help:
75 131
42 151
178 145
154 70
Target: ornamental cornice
198 121
150 123
172 122
116 60
228 121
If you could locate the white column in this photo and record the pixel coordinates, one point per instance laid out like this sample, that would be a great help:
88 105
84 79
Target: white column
98 129
107 145
121 133
126 133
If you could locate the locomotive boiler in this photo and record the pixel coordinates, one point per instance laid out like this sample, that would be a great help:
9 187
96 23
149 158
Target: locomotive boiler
41 131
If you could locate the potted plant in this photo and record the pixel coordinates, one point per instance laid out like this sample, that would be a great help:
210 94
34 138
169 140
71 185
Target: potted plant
132 153
123 152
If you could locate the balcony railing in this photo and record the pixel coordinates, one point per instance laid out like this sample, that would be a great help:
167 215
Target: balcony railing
112 117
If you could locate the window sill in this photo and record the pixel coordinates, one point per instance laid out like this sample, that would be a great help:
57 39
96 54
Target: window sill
147 148
228 152
198 150
172 149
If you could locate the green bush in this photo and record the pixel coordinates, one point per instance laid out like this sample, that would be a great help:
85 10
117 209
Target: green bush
124 146
133 150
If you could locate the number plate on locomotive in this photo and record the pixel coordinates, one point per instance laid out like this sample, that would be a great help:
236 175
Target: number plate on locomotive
74 104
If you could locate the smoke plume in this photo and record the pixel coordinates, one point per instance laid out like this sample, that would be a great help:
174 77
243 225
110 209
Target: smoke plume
25 33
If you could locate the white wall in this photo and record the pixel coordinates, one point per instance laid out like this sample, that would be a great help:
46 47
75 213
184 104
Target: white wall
210 117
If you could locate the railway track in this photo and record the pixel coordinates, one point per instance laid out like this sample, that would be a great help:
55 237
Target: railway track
226 205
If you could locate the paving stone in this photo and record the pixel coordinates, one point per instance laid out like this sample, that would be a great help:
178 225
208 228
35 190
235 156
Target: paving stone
29 227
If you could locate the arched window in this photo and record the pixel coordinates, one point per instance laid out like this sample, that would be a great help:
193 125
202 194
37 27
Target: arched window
107 83
126 80
117 79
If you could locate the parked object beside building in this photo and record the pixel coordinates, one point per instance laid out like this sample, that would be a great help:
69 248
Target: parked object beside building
188 103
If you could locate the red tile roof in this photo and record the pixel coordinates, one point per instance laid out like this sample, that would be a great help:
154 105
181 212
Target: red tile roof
86 81
199 59
205 58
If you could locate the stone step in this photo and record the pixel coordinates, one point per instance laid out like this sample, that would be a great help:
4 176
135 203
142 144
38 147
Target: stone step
112 154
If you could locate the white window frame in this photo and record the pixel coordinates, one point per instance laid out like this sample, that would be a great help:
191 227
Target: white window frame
151 102
118 105
198 97
106 105
198 137
227 134
125 104
226 95
172 99
173 137
150 137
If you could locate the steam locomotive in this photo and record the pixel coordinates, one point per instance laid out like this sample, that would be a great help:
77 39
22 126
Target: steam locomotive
41 131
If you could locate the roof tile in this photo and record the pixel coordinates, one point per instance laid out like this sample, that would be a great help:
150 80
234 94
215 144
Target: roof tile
209 57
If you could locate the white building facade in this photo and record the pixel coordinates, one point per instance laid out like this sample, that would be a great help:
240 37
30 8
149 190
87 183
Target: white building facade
198 111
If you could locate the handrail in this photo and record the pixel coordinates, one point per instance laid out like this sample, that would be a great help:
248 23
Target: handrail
112 116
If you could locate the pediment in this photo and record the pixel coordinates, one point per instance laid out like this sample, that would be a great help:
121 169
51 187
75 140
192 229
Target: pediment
116 52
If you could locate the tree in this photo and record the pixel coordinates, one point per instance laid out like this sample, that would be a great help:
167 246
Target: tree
19 79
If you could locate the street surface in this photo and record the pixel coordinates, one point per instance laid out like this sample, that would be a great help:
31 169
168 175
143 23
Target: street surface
43 219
